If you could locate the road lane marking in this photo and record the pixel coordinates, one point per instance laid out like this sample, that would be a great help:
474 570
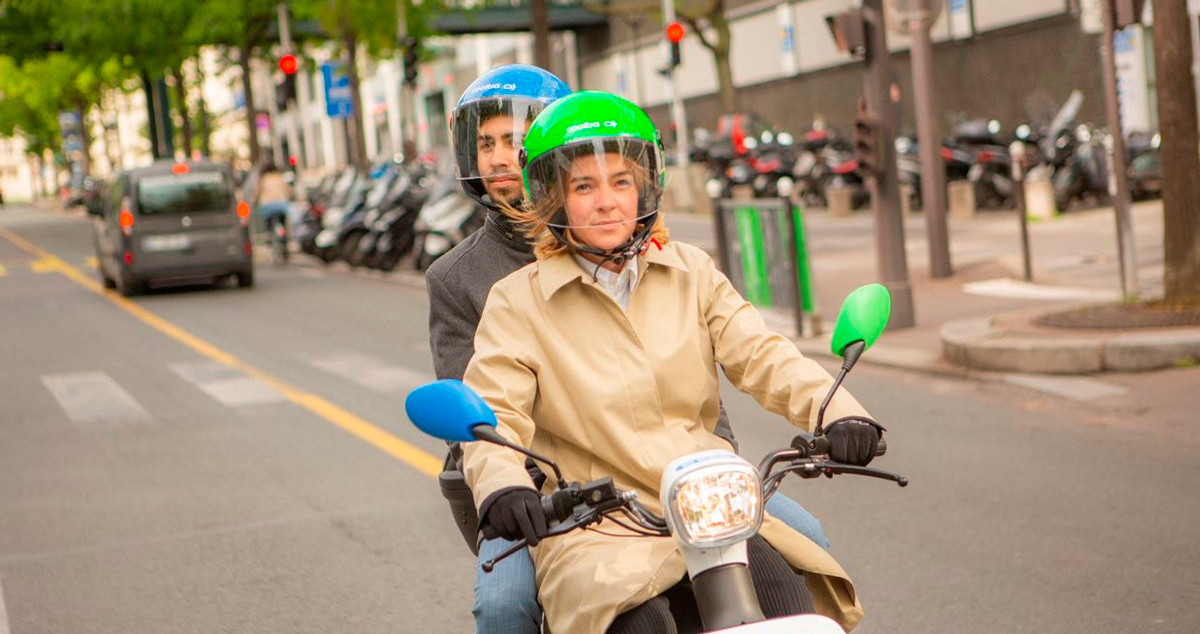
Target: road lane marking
3 271
350 423
93 263
44 265
227 386
370 372
3 613
94 397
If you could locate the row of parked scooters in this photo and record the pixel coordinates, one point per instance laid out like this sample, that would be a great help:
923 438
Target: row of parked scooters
1072 156
377 220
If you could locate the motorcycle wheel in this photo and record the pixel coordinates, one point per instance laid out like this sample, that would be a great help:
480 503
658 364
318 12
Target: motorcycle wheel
347 249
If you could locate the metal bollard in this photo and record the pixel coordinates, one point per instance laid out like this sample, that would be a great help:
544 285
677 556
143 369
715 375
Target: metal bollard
1019 155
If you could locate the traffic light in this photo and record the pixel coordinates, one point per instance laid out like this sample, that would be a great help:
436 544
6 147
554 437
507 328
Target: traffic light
289 64
411 53
868 146
285 92
675 33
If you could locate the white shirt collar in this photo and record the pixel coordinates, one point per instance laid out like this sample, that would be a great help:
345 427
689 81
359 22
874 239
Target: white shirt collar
618 285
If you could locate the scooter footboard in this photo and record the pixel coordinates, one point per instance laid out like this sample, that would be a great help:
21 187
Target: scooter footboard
803 624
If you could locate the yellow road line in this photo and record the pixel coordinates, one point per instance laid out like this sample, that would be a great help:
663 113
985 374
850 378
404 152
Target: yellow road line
364 430
3 271
93 263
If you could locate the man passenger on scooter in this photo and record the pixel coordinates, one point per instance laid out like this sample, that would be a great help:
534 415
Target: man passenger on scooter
489 123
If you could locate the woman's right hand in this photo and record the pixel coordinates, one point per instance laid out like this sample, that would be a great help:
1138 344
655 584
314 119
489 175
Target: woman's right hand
516 514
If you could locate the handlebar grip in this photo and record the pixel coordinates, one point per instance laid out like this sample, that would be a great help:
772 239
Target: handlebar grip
557 506
821 446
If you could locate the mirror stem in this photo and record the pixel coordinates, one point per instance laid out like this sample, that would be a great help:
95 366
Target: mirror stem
488 433
850 356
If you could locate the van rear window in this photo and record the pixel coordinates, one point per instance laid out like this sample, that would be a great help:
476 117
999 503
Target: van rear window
184 193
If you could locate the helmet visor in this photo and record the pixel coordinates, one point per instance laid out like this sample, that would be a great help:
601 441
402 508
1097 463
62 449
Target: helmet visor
601 190
488 136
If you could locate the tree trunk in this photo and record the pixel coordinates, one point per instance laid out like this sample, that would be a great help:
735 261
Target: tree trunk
248 91
540 18
152 118
202 112
185 122
729 100
358 153
85 135
1180 152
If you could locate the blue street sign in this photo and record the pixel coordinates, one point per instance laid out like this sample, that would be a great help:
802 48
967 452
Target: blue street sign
338 101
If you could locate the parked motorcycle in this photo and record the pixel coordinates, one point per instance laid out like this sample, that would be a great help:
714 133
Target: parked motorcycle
1084 174
341 209
357 225
447 218
393 234
712 500
331 193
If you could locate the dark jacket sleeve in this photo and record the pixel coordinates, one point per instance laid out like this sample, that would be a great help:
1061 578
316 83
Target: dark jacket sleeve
723 428
452 324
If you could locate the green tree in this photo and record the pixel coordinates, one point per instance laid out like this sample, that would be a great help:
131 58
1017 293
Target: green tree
243 27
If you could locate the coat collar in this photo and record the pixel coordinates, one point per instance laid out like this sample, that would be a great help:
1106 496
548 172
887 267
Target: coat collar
561 269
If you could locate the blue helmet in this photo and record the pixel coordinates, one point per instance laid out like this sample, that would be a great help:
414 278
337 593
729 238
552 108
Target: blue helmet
504 101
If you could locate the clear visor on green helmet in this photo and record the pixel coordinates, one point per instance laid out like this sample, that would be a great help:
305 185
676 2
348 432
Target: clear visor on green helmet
597 182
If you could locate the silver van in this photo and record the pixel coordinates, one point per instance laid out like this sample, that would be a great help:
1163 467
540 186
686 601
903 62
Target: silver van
171 223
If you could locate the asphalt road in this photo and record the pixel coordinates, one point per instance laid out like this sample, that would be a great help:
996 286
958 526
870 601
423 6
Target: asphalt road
232 460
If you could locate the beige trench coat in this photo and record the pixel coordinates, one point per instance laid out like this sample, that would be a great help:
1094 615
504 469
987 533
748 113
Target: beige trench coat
606 392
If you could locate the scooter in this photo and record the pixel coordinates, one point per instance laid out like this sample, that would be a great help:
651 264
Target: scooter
713 500
393 235
444 221
355 227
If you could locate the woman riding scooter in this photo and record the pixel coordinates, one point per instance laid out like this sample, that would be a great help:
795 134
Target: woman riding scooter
489 124
603 357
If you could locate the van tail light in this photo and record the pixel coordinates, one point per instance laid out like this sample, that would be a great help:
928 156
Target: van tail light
126 222
127 258
243 212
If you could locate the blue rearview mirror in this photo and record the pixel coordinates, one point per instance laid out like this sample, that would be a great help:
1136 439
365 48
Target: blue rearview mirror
448 409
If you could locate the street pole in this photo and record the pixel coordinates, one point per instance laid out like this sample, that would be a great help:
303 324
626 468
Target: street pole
892 261
933 173
678 114
1118 183
408 132
297 113
1018 153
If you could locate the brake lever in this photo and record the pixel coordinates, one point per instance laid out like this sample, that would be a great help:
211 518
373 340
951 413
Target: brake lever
832 468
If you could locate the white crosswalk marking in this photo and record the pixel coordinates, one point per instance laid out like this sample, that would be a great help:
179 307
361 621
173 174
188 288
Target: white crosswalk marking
226 385
371 372
94 397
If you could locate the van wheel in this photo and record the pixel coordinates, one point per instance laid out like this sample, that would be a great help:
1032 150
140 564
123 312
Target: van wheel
105 280
245 279
126 285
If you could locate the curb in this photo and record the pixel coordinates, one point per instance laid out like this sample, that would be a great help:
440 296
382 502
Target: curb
974 344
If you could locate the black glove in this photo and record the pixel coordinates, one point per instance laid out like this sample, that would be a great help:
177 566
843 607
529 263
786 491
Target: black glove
517 513
853 440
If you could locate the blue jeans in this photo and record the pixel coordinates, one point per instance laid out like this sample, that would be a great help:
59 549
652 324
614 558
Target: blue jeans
506 598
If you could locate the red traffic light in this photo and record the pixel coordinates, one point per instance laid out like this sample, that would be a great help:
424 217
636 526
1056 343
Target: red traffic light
675 32
289 64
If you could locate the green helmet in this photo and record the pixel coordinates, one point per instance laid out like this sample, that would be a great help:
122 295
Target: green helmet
594 123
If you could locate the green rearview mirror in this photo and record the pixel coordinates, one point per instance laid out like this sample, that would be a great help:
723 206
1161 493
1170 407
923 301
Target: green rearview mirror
864 316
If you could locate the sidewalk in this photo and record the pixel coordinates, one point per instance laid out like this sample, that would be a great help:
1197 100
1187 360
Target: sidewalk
977 323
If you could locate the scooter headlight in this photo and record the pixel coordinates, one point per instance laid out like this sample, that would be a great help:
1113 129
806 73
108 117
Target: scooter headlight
714 499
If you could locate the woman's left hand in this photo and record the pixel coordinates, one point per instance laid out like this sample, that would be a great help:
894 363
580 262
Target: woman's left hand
853 440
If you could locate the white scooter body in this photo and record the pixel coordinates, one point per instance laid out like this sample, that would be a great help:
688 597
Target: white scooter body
700 560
